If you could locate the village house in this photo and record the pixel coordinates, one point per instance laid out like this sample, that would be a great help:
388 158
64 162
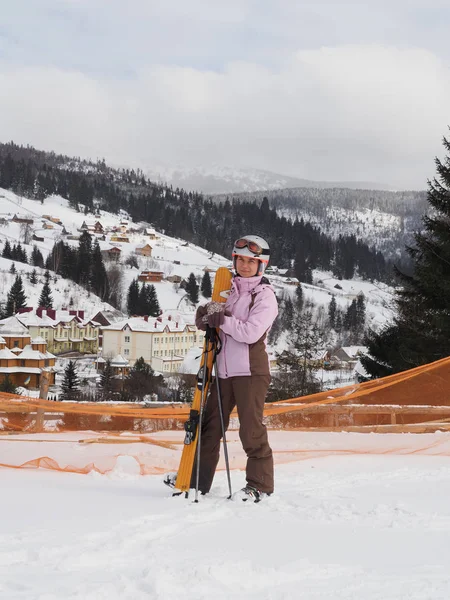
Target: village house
349 355
23 219
120 238
63 330
92 227
162 341
112 254
151 234
22 358
153 276
56 220
174 278
145 250
292 281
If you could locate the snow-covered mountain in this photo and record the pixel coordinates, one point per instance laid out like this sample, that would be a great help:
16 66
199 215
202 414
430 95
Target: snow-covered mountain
227 180
170 255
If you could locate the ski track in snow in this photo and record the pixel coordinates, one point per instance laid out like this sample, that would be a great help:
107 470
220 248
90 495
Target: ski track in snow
338 528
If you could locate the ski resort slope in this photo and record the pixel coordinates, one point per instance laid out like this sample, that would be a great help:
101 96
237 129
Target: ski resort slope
350 520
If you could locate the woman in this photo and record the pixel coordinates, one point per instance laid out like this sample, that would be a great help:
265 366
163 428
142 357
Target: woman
243 368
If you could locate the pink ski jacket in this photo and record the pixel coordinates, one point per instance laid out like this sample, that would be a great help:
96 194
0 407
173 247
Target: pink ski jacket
250 310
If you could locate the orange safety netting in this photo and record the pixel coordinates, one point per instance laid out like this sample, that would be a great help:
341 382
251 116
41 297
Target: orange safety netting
420 395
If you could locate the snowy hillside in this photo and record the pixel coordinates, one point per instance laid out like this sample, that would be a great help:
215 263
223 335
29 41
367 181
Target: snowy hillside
169 255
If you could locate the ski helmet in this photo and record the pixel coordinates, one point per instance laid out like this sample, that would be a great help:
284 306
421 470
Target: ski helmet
254 246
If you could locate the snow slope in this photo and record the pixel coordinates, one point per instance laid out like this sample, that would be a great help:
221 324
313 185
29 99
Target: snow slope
354 517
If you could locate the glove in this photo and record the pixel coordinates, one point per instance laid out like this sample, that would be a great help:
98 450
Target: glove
199 315
215 314
216 319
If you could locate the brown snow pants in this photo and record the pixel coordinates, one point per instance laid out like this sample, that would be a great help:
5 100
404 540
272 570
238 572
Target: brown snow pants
248 394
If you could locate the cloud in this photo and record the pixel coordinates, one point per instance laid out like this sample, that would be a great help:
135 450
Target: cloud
344 113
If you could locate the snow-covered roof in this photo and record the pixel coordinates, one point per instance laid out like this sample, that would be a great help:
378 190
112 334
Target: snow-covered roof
353 351
119 361
153 324
30 354
12 326
31 319
38 340
6 353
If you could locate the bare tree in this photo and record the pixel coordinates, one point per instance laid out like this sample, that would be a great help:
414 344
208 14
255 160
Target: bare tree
114 272
26 233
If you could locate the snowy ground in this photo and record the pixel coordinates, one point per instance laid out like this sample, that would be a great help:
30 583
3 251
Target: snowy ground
354 516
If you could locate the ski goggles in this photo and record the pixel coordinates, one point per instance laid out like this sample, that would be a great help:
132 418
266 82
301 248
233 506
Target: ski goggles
255 248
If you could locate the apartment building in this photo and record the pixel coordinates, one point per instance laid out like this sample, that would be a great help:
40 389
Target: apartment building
163 342
63 330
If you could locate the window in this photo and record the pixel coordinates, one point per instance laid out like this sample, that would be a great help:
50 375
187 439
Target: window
156 340
22 363
66 333
16 344
127 352
165 352
127 339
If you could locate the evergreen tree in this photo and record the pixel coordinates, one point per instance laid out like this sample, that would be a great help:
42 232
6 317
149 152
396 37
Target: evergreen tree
332 312
141 381
46 299
299 298
99 278
192 289
133 298
206 285
106 379
360 315
7 252
33 277
16 298
350 319
71 384
287 313
36 257
8 386
84 259
12 269
420 331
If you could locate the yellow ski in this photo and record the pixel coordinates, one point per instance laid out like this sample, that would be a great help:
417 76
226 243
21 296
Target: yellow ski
222 285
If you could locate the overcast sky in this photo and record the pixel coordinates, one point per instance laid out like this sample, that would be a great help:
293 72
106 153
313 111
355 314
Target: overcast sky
323 90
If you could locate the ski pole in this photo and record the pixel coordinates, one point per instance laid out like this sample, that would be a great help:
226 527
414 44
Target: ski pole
225 448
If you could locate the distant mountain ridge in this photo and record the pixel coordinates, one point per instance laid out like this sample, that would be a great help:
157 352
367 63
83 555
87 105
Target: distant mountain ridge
228 180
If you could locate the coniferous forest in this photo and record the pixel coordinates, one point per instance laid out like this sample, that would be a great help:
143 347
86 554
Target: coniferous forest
90 186
420 333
